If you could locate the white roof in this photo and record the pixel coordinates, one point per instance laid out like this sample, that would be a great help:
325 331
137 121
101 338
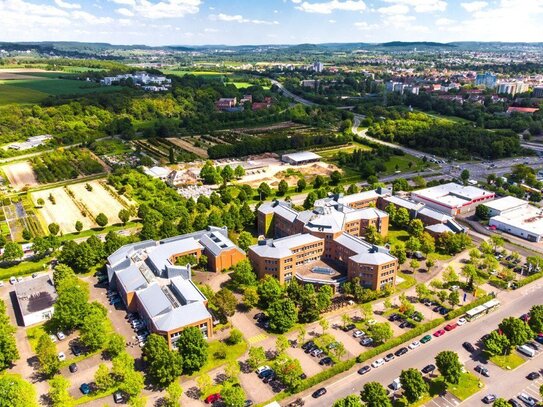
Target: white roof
439 228
280 248
451 194
528 218
160 255
157 172
361 196
506 203
302 156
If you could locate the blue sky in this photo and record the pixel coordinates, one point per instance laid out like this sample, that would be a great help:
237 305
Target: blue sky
184 22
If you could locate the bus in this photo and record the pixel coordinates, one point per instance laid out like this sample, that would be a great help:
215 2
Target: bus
481 310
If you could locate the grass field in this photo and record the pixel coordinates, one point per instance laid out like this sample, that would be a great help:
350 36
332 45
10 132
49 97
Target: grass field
467 386
507 362
207 74
13 94
233 352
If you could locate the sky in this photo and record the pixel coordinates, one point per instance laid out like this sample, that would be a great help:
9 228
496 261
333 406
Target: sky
237 22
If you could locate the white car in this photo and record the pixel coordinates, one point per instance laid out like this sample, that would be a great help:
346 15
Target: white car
414 345
377 363
262 369
358 334
461 321
371 322
53 338
60 335
12 280
61 356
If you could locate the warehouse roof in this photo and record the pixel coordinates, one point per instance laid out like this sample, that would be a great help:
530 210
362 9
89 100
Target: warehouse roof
302 156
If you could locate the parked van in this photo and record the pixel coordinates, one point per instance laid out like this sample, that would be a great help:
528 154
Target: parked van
526 350
396 384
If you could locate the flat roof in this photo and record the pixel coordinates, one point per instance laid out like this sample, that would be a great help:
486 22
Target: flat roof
528 218
282 247
361 196
160 255
505 203
302 156
452 194
35 295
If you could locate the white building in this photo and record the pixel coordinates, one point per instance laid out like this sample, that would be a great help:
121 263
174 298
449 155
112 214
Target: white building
522 220
452 199
501 206
161 173
303 157
36 299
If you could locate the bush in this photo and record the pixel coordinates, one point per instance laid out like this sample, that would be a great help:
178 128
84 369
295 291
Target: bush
462 310
529 279
235 337
325 375
497 282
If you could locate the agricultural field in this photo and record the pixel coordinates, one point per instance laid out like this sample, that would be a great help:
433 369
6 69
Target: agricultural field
18 216
79 202
64 164
20 175
207 74
191 144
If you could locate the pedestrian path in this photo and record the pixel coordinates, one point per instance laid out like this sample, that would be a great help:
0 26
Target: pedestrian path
257 338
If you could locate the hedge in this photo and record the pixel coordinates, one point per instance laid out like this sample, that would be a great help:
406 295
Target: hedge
413 333
529 279
462 310
325 375
496 282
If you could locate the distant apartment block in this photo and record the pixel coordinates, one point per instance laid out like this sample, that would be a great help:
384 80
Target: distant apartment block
151 282
318 67
400 87
512 88
487 79
154 83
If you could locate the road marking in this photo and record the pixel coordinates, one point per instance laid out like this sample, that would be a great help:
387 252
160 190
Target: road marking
257 338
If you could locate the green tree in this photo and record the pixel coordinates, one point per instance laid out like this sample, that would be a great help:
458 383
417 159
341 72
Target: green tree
46 351
335 177
501 403
497 344
257 356
12 252
94 327
227 174
350 401
414 264
381 332
264 191
482 212
427 243
318 182
53 228
375 395
516 331
536 318
193 348
269 291
124 216
163 365
101 219
174 391
115 344
398 251
233 395
103 378
416 228
449 366
282 188
27 235
16 392
301 185
204 383
449 275
235 337
226 302
401 218
323 322
283 315
8 345
78 226
324 297
250 297
464 176
71 304
412 244
413 384
310 200
245 240
454 298
371 235
59 392
239 171
288 370
281 344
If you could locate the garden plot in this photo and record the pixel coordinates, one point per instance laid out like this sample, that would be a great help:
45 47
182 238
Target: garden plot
63 211
20 175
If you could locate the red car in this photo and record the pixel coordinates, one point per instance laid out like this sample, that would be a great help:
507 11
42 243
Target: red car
439 332
450 327
212 398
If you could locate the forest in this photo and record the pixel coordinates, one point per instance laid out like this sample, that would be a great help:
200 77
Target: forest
446 138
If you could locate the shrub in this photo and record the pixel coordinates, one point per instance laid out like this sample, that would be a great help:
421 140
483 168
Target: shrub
462 310
529 279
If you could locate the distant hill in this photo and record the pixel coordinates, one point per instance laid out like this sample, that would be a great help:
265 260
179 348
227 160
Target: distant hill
416 44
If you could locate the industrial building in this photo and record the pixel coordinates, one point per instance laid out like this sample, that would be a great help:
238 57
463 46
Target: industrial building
517 217
302 157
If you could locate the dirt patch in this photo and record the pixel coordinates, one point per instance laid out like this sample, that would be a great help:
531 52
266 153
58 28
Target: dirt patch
185 145
20 175
290 173
12 74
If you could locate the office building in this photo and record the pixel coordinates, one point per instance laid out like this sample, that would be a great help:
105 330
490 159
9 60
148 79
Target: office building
486 79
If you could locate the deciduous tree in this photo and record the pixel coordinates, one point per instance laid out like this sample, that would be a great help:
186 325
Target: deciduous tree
375 395
163 365
449 366
193 348
413 384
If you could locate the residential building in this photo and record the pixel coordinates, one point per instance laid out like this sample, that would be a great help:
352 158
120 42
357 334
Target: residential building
318 67
452 199
486 79
226 103
512 88
524 110
150 281
36 299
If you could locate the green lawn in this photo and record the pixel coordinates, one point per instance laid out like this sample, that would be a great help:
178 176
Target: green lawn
33 334
396 235
24 268
233 352
466 387
12 94
409 281
207 74
507 362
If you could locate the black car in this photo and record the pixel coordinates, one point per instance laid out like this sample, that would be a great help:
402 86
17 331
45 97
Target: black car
401 351
303 376
393 317
349 327
539 339
428 369
259 315
533 345
269 378
247 403
76 350
514 403
265 373
364 370
72 368
325 361
469 347
319 392
310 348
404 324
533 376
483 370
308 345
436 308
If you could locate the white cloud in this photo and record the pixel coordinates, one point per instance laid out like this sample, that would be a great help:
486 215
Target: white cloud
210 30
162 9
332 21
64 4
474 6
422 6
238 18
330 6
125 12
394 9
125 2
90 19
441 22
363 25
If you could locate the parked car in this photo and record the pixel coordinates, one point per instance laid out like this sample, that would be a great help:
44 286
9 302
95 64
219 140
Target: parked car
528 400
364 370
269 378
85 388
212 398
61 356
76 349
400 352
318 393
325 361
366 341
414 345
426 338
358 334
533 376
483 370
428 369
118 397
489 398
539 339
439 333
461 321
377 363
247 403
469 347
349 327
316 352
60 335
444 311
307 345
389 357
393 317
436 308
533 345
12 280
514 403
259 315
72 368
266 373
262 369
451 326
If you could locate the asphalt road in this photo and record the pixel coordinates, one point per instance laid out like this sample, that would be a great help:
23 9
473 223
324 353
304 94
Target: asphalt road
514 304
